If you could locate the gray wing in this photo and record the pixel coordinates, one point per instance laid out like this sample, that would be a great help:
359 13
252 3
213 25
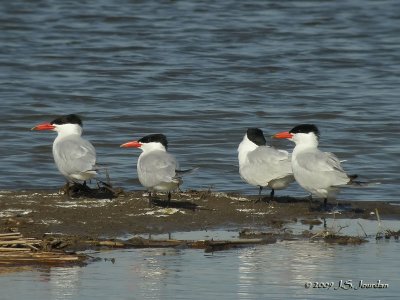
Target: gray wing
267 163
157 167
75 155
325 165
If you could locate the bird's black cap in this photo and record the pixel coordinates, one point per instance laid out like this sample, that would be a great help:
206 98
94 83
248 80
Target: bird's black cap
67 119
256 136
305 128
158 137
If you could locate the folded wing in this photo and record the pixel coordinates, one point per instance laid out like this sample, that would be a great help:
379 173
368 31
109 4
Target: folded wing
266 164
75 156
157 167
325 166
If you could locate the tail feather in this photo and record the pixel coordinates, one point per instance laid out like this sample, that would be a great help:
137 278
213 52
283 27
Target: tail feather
180 173
352 177
357 183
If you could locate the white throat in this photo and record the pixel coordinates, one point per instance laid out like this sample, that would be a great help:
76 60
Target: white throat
304 142
152 146
68 129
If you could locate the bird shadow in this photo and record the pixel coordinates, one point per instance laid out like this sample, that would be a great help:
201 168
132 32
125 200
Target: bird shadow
316 205
335 208
173 204
102 191
284 199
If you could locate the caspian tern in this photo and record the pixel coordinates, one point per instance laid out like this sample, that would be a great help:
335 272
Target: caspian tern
318 172
262 165
157 169
74 156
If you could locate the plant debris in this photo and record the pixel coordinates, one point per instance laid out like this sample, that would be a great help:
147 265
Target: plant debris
16 250
344 239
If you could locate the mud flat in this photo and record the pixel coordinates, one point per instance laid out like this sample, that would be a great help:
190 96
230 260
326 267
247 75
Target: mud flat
47 228
36 213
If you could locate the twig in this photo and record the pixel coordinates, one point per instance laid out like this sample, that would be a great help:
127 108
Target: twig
341 227
108 177
362 228
379 233
9 234
9 249
377 216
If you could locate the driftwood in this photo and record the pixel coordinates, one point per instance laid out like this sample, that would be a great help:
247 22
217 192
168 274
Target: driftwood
11 241
207 245
10 236
17 250
43 258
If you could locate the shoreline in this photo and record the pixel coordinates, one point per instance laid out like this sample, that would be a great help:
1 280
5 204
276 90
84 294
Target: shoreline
35 213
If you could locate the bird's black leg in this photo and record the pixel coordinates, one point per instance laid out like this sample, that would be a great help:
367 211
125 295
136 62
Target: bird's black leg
259 194
272 194
150 200
310 201
325 202
169 198
67 189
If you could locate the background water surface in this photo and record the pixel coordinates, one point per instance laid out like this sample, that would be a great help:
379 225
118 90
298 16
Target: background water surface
201 72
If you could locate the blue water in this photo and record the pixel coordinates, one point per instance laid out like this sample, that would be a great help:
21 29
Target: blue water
201 72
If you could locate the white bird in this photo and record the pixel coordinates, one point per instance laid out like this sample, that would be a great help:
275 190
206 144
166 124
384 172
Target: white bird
74 156
262 165
157 169
318 172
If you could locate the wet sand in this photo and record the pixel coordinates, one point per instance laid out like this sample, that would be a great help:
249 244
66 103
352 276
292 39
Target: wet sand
35 213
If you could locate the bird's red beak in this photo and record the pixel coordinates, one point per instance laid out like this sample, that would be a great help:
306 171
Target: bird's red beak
44 126
283 135
133 144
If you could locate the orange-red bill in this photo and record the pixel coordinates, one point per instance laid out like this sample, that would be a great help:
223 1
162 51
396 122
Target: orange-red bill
133 144
44 126
283 135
